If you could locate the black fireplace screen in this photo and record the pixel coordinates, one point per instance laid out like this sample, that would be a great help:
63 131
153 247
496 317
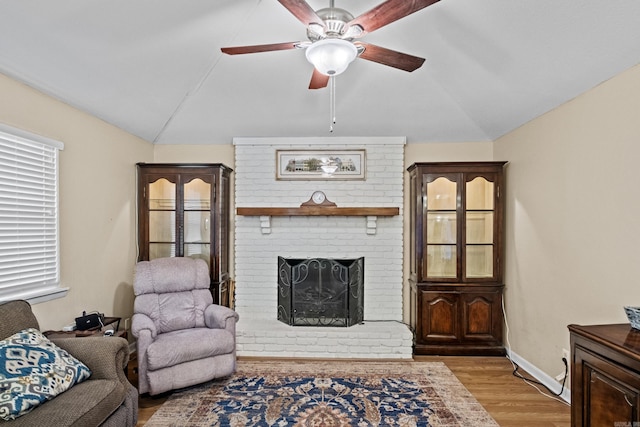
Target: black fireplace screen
320 291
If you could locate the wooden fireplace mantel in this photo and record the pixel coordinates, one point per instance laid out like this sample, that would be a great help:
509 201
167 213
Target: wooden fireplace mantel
265 214
318 211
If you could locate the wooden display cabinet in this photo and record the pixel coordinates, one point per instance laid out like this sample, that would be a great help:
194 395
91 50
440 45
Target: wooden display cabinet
183 210
456 245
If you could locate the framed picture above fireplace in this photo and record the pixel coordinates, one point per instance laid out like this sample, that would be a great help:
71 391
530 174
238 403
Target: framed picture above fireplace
320 164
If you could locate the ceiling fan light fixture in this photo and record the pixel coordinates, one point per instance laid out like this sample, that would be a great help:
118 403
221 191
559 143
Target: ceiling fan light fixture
331 56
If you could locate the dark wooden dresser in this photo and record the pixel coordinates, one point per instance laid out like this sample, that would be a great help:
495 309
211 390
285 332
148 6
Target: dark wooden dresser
605 375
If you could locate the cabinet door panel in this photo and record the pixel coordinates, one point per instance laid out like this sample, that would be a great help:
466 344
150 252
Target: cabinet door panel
441 228
439 316
161 250
480 194
161 200
162 194
162 226
479 261
197 227
482 316
441 231
609 400
441 261
198 251
442 194
197 195
480 225
609 394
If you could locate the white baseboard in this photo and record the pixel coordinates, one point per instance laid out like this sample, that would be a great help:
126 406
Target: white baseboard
540 376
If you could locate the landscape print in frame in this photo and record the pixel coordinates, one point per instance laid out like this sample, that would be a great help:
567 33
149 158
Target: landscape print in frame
320 164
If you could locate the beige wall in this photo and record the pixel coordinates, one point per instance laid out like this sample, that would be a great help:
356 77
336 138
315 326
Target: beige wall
97 202
217 153
572 218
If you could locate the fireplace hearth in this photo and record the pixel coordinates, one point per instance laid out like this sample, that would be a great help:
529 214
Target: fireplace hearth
320 291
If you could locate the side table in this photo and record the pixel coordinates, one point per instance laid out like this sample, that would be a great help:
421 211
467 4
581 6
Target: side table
80 334
107 321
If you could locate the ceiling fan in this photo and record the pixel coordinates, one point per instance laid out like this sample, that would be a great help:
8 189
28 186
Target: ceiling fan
331 32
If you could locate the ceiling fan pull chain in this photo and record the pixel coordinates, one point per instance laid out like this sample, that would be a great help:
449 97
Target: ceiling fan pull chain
332 87
332 102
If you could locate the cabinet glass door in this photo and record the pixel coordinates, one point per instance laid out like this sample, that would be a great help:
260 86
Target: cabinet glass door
162 219
480 212
197 219
441 229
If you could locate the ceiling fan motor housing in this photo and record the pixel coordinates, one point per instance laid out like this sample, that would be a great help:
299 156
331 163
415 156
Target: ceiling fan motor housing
335 20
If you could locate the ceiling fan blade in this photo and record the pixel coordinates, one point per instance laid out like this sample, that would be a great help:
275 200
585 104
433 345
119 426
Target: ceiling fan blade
388 12
318 80
389 57
301 10
239 50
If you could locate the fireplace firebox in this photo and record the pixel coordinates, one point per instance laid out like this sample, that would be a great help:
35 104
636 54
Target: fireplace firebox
320 291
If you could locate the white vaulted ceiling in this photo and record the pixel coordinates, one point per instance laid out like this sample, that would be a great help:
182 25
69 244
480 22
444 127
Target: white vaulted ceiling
154 67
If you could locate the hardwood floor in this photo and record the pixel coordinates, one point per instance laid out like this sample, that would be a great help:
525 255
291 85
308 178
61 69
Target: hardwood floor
509 400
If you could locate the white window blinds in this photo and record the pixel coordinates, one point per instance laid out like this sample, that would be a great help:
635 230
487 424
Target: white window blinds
29 256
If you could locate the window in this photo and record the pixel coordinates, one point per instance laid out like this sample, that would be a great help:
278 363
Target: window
29 249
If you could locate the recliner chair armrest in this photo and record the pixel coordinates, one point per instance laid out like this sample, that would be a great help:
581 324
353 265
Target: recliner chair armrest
107 357
141 322
217 316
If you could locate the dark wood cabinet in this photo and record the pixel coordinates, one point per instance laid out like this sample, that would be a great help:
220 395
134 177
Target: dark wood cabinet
456 249
183 210
605 375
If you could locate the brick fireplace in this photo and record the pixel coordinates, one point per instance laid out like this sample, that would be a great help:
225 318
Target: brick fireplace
261 239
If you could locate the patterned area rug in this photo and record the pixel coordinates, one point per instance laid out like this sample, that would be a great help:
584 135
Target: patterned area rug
327 394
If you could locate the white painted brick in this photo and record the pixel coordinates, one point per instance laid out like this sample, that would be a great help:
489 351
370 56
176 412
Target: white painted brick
275 348
253 348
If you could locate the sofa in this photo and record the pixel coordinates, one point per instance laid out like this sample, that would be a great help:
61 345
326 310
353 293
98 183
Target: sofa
105 399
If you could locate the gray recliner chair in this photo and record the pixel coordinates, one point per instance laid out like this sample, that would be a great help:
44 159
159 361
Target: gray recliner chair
183 338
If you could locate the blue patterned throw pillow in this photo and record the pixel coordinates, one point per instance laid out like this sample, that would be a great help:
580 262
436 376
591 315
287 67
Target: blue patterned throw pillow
34 370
